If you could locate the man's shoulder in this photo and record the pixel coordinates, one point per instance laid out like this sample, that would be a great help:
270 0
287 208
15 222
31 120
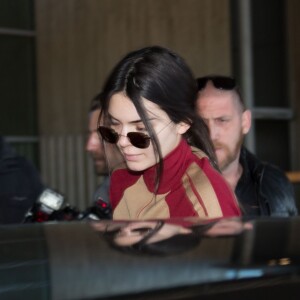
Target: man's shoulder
248 157
19 175
276 177
19 165
258 166
274 188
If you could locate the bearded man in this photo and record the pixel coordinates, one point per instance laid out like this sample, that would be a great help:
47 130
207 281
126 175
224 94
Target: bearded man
261 188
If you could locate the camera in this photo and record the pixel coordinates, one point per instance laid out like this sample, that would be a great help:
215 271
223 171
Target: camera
50 207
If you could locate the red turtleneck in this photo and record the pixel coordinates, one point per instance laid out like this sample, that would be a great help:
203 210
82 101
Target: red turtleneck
189 186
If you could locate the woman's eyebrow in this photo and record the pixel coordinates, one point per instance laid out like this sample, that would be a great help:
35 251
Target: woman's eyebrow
131 122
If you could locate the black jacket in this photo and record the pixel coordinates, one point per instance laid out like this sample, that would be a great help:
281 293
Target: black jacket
264 189
20 185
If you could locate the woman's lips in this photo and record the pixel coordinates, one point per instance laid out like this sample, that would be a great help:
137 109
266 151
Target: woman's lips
131 157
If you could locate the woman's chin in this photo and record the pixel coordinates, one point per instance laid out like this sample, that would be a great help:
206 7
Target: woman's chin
136 167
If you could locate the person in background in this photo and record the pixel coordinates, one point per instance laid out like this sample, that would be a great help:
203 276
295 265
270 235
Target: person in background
20 185
95 148
170 166
261 188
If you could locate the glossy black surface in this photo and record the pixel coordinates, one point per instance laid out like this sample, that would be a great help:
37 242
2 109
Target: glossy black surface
226 259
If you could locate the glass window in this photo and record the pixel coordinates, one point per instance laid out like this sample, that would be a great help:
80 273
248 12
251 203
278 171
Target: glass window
17 14
272 142
18 119
269 57
17 86
269 63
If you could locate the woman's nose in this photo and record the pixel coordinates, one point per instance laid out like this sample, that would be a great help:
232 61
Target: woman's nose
123 139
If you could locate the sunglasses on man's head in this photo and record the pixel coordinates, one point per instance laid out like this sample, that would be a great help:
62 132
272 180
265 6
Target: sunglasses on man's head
219 82
137 139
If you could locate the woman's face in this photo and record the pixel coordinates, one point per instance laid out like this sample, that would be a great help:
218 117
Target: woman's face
125 118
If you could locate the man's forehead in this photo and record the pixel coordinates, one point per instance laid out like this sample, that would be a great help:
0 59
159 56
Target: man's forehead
93 118
220 104
94 114
229 98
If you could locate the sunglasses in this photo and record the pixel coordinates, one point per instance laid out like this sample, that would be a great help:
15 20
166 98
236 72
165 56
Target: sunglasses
137 139
219 82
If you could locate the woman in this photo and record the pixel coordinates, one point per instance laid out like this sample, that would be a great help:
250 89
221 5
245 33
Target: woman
148 112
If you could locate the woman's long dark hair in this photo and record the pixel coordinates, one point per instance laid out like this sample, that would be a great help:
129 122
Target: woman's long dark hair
162 77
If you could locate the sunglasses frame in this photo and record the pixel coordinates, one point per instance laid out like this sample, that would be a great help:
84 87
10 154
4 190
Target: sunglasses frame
219 82
132 136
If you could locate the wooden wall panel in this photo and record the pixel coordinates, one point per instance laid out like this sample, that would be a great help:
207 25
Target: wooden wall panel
79 41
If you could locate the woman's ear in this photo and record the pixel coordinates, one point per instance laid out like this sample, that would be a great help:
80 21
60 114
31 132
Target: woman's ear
182 127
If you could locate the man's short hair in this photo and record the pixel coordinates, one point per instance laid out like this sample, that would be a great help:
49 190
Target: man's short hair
96 102
222 82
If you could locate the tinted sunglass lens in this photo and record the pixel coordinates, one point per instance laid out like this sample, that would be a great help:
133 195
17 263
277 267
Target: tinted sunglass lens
224 83
108 134
139 140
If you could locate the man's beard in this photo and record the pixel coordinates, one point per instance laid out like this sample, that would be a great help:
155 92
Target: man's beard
230 155
100 165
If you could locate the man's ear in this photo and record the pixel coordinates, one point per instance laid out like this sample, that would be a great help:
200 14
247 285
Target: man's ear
182 127
246 121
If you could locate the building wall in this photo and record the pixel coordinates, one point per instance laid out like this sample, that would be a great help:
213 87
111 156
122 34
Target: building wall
79 41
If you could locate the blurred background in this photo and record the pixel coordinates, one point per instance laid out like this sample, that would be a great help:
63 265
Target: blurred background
56 54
